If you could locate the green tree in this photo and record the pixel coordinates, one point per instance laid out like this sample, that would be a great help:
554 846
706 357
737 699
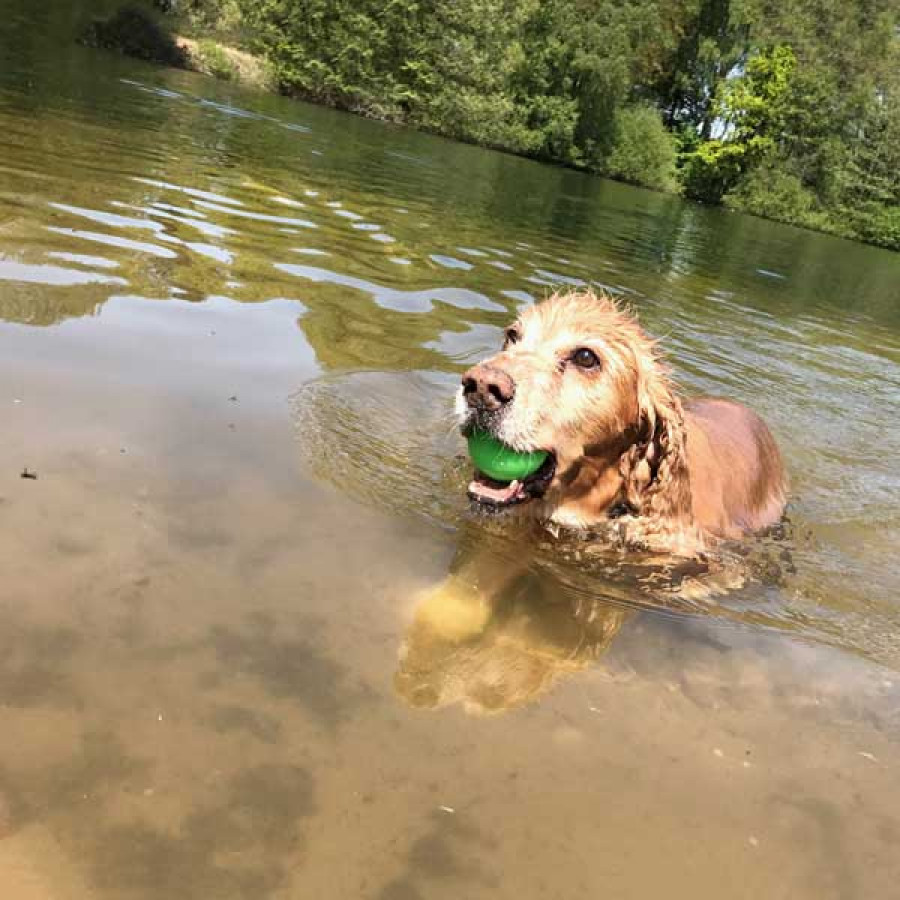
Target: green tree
714 40
643 151
750 112
868 184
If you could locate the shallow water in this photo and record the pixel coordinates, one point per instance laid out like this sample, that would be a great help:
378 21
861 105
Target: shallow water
230 328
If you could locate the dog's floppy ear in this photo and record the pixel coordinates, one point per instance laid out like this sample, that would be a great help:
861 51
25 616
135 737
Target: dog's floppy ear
654 467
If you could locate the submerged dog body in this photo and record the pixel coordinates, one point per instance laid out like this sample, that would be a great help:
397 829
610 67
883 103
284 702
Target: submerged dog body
577 377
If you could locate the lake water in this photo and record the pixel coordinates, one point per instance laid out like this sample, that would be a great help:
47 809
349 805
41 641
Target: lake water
230 330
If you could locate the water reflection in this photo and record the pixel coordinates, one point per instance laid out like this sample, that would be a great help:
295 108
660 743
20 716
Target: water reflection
491 653
48 275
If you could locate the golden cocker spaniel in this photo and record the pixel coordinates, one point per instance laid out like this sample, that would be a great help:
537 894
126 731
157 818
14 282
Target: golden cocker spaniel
579 378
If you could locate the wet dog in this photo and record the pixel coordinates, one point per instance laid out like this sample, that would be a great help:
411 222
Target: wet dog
629 464
578 377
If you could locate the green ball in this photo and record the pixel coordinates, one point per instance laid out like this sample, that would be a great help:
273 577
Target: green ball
500 462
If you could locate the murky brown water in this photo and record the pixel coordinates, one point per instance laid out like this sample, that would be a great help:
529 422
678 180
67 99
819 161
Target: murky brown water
230 327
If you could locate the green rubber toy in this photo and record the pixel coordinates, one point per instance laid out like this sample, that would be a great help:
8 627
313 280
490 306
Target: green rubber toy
500 462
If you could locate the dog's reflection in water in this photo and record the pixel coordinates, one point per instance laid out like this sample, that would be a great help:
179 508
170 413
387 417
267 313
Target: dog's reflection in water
493 641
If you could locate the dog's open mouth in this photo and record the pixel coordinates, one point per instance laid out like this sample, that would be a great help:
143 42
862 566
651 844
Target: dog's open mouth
489 492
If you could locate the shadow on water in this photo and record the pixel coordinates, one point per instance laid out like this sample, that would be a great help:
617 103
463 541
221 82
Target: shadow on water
235 835
99 761
235 847
229 718
296 669
442 852
34 664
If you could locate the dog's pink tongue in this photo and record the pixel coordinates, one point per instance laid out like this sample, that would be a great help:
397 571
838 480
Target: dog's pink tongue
500 494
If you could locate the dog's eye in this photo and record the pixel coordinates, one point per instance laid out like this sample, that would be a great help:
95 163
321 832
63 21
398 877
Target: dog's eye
585 358
511 337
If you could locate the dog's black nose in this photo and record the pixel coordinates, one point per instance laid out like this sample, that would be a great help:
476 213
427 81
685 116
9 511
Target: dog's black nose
485 387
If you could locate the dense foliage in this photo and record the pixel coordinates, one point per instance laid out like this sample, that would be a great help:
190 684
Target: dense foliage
785 108
132 31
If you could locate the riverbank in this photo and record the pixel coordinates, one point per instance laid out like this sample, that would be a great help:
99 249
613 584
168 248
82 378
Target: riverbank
209 57
851 191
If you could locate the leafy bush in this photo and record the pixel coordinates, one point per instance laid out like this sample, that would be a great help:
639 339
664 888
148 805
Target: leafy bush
773 192
878 225
643 150
214 60
712 169
219 16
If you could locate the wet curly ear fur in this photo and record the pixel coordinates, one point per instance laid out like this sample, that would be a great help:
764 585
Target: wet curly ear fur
654 468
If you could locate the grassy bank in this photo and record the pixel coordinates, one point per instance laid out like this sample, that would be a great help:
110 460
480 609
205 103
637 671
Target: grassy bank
209 57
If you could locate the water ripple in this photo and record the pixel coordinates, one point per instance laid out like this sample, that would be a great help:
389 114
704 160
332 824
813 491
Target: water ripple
402 301
113 240
449 262
256 216
10 270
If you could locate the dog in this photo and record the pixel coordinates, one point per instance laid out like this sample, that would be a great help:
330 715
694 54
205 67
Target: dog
578 378
629 466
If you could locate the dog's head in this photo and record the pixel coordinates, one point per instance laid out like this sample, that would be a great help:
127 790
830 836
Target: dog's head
578 378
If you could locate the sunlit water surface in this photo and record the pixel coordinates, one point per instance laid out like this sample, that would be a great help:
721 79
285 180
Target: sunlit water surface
230 329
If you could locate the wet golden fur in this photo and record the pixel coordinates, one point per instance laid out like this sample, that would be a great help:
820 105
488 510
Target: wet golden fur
631 455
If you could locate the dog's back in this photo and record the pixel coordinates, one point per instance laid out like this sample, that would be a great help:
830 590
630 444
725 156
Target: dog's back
737 478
